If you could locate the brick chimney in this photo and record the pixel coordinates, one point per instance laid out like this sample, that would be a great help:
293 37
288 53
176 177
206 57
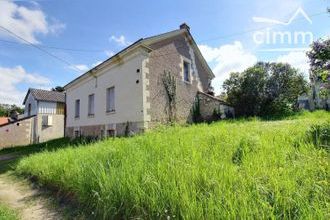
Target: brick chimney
185 26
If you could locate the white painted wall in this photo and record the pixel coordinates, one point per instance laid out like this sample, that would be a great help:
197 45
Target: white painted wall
128 94
34 105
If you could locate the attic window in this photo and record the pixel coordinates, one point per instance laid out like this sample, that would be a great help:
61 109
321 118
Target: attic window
186 71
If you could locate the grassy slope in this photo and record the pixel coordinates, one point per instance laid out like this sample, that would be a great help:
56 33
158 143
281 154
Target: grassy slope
7 214
243 169
9 157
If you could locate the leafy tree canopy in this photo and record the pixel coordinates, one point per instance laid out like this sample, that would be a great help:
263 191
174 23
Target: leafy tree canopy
319 55
266 89
6 110
58 89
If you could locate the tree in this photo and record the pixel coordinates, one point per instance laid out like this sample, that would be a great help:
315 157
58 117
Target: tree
6 110
265 89
319 55
319 59
58 89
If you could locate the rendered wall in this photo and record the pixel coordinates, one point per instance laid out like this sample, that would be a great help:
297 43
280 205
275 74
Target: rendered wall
126 77
17 134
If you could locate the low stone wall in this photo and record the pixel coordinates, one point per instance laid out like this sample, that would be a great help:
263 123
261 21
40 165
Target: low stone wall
17 133
212 108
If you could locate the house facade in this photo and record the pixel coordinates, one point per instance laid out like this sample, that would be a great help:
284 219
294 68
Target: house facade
43 120
48 111
128 92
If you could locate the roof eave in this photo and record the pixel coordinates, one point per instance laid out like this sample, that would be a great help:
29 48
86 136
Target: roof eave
121 54
26 96
200 55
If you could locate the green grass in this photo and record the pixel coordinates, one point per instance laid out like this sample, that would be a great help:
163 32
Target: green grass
226 170
9 157
7 214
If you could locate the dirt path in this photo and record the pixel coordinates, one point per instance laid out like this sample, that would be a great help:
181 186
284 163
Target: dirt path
29 203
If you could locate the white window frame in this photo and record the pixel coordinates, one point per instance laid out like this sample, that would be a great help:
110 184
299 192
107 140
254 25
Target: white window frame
109 102
91 105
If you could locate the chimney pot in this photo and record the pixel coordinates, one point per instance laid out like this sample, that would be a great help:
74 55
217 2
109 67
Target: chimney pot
185 26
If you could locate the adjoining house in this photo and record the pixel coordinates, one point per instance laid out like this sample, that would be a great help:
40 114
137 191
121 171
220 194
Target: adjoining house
152 81
43 120
49 110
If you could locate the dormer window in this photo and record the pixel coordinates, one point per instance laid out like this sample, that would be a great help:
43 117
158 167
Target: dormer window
186 71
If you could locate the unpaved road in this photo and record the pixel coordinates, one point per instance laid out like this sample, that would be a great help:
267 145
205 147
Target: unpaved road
29 203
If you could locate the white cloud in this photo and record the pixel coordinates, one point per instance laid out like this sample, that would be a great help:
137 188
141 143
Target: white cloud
81 67
280 9
11 78
96 63
298 60
227 59
26 22
109 53
121 40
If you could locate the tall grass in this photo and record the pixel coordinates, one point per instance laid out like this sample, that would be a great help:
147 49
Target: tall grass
226 170
7 214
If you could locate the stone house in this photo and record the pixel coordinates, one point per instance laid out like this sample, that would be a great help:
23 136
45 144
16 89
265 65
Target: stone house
43 120
134 90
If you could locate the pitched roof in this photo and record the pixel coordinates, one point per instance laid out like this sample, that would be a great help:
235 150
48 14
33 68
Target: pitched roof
46 95
145 42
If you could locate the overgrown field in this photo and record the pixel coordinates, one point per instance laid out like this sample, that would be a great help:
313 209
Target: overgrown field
232 169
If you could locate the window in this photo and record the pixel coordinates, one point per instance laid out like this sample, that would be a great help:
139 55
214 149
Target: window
29 109
47 120
186 71
91 105
77 108
110 99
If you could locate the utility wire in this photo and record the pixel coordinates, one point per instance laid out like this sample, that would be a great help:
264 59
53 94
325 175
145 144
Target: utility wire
201 41
41 49
57 48
91 50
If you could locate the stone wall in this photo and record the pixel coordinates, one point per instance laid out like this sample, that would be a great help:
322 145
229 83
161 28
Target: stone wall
210 105
168 55
18 133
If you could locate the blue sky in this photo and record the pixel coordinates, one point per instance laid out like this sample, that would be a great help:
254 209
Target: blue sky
226 31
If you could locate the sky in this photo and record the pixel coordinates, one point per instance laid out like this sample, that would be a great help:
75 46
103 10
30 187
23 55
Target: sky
70 37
